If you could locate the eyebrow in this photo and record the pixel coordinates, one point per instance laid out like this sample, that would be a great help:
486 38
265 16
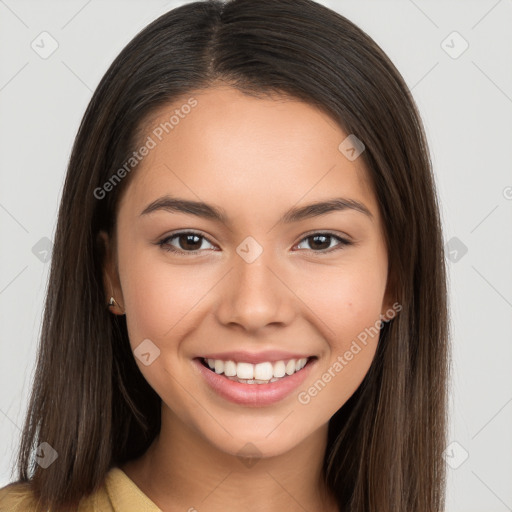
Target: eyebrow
295 214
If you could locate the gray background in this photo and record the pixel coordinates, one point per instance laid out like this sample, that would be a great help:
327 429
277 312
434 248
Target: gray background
466 104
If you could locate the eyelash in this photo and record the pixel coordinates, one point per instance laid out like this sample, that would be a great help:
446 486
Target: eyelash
164 243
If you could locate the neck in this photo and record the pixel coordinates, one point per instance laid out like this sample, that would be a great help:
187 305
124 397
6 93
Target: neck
183 471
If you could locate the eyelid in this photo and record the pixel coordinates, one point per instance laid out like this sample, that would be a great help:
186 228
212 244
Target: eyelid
342 236
343 241
162 242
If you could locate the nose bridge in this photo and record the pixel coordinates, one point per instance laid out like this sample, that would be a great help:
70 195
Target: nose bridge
253 296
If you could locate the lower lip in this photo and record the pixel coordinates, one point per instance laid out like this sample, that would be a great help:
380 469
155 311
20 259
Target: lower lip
256 395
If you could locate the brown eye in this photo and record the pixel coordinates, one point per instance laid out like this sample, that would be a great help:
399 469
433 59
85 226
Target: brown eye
321 242
187 242
190 242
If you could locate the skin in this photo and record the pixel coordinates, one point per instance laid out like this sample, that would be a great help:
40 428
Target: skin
254 158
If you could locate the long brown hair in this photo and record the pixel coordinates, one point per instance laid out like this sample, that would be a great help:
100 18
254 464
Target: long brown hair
89 400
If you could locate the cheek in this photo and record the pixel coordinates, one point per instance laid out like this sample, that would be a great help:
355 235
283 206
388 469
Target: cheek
162 301
347 299
160 298
360 300
348 304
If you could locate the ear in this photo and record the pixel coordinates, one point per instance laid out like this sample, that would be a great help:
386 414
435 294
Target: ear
111 282
389 311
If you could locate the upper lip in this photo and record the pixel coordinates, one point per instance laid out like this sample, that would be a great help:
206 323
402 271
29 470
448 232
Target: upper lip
256 357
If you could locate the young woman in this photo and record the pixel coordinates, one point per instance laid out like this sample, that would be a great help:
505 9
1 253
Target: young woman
247 304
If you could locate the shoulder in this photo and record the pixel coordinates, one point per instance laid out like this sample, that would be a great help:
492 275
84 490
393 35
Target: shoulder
19 497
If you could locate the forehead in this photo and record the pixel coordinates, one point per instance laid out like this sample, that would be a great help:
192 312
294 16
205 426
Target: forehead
233 149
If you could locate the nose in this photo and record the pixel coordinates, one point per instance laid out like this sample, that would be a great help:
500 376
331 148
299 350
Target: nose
255 295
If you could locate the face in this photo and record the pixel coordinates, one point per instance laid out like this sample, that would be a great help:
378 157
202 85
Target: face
255 277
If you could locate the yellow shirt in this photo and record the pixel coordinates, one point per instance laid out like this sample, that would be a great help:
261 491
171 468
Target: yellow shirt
117 494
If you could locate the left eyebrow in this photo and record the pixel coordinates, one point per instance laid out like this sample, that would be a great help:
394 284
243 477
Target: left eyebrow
208 211
324 207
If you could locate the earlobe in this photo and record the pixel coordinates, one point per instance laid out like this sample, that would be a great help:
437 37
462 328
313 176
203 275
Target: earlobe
389 304
114 307
111 283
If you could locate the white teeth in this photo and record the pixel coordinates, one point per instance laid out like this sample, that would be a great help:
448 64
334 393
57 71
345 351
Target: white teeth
245 371
279 369
263 371
300 364
257 373
290 367
219 366
229 368
252 381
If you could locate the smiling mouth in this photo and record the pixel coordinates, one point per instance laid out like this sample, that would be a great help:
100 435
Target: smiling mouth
261 373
